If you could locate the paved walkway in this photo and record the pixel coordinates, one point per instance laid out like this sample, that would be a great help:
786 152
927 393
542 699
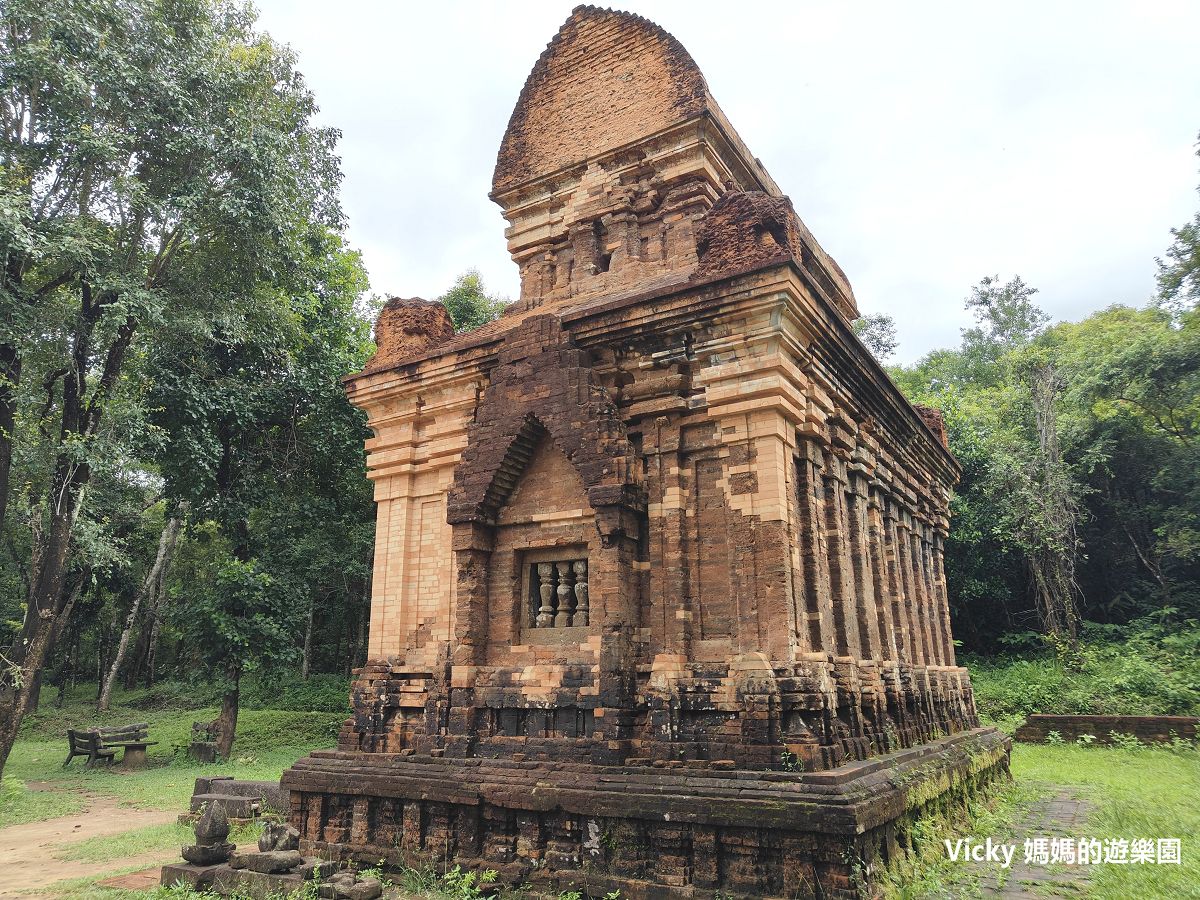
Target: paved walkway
1061 815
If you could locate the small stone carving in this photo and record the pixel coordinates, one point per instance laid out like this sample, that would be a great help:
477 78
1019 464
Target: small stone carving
545 615
562 618
348 886
211 830
278 836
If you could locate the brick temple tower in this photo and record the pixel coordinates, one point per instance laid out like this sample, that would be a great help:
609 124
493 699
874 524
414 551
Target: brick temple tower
659 601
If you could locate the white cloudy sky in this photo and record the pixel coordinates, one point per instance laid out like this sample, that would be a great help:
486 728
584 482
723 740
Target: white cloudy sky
925 144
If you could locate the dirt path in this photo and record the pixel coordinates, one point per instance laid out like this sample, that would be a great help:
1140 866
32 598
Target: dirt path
27 852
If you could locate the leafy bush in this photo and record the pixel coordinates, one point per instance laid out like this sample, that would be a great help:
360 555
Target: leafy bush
1144 668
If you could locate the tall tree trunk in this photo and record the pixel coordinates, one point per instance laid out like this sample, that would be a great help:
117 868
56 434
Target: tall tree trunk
150 586
80 421
155 624
16 685
306 659
13 275
10 378
225 724
1052 564
137 662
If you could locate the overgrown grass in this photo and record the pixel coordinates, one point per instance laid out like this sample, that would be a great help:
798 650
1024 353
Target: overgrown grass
1139 669
926 872
320 693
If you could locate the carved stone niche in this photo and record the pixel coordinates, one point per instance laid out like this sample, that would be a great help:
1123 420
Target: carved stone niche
545 502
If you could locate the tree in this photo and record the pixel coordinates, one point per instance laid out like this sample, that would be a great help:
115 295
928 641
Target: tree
236 618
1179 274
142 143
878 333
1001 393
1133 379
469 303
263 445
1005 314
151 588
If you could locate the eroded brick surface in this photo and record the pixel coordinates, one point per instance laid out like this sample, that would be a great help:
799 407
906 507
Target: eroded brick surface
607 78
659 598
407 327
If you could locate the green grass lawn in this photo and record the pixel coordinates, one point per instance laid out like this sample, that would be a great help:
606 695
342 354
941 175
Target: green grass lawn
268 741
1137 794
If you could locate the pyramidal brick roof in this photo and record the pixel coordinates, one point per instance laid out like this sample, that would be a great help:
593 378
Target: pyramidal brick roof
608 78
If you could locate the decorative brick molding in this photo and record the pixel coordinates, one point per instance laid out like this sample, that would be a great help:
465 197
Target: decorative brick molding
647 832
543 385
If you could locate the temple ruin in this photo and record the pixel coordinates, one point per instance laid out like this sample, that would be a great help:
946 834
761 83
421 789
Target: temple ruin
659 602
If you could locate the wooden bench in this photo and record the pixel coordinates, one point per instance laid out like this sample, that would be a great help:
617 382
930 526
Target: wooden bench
134 738
87 742
102 743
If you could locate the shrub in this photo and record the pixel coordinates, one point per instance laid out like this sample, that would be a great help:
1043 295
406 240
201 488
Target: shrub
1143 668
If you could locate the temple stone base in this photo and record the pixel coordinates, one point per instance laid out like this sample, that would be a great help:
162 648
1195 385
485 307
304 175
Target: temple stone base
662 830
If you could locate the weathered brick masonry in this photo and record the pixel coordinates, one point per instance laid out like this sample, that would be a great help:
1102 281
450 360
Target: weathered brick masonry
659 600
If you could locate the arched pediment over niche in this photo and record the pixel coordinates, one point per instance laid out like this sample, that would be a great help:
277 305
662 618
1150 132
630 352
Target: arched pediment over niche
543 386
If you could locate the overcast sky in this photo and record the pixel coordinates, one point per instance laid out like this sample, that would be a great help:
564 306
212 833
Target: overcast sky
925 144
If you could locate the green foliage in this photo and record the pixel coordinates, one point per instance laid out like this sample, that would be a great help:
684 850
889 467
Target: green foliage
878 332
463 885
469 303
263 443
1141 669
263 690
236 618
1179 274
176 307
1080 463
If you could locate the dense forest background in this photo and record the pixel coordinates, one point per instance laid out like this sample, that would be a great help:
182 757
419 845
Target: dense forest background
182 490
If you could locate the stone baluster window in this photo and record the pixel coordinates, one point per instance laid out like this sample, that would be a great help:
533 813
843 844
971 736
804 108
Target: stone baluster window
558 593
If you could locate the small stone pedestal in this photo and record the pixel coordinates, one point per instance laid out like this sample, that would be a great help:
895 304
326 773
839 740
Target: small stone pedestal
135 756
210 848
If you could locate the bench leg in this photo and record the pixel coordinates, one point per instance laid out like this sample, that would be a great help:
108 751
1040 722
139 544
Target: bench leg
70 756
134 758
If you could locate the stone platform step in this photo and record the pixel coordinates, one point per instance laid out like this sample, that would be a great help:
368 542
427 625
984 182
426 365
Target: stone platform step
236 807
242 799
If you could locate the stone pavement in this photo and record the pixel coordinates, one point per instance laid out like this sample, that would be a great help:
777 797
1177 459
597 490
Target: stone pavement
1060 815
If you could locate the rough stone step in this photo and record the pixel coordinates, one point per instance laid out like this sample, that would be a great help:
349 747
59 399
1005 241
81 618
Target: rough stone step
236 805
